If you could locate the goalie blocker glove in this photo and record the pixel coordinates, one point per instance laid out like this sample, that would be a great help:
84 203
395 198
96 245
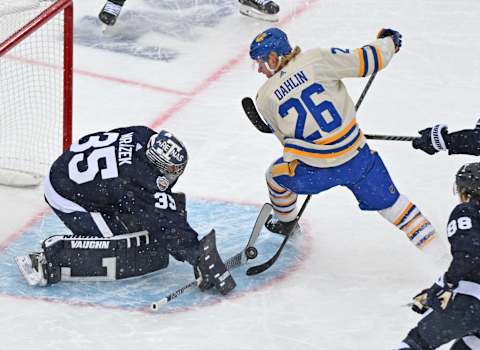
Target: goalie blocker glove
210 267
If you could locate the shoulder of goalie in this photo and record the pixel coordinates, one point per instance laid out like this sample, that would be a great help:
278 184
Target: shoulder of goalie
209 268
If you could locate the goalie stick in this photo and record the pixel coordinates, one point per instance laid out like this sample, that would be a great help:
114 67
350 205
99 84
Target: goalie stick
249 252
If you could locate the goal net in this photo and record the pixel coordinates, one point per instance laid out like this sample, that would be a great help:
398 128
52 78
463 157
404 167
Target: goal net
35 87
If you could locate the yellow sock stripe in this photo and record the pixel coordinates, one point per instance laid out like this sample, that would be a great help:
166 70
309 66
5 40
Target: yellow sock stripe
405 227
276 188
399 219
417 228
278 204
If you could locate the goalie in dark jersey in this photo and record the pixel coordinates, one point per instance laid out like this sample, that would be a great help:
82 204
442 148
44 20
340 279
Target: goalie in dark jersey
452 305
113 190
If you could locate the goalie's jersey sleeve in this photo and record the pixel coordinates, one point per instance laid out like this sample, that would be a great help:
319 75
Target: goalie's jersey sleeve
308 107
108 172
464 236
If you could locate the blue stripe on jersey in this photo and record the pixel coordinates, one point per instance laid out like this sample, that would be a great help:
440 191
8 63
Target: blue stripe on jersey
375 58
317 151
365 62
351 131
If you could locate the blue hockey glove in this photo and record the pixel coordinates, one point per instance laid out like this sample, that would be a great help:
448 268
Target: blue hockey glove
396 37
432 140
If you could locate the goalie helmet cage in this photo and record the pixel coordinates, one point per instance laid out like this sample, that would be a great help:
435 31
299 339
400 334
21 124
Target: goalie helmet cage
36 54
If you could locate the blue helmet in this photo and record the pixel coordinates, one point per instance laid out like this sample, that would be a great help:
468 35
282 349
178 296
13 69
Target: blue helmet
272 39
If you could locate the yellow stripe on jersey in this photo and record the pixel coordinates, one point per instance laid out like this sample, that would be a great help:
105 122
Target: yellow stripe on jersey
361 69
379 55
325 155
285 168
335 137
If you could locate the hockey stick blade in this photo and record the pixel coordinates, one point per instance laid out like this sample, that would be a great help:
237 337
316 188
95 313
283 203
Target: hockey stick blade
255 270
233 262
253 115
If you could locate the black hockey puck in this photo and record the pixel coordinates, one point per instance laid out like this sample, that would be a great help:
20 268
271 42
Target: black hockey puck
251 252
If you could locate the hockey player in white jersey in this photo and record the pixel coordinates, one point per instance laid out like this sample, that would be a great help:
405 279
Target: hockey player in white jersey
308 108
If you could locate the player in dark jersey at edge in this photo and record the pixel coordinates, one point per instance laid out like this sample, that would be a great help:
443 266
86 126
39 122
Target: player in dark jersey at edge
452 305
113 190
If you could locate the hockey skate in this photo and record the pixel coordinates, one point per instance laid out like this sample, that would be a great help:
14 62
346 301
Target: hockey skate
109 13
266 10
33 267
275 225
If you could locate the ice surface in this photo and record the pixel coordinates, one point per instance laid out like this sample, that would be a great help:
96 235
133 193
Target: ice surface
183 66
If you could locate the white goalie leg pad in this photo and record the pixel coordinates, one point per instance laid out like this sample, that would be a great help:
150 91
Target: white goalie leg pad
284 201
418 229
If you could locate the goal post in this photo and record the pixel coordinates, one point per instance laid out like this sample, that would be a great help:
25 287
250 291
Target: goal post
36 59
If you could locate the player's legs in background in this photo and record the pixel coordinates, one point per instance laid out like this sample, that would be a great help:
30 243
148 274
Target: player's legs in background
375 190
110 11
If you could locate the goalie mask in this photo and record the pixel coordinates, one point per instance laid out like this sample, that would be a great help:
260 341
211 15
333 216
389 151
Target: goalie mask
467 180
168 154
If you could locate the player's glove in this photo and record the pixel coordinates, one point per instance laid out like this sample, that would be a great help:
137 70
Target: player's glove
432 140
419 302
438 297
396 37
435 297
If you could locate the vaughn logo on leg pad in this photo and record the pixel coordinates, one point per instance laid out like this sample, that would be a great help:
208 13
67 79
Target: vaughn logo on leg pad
90 244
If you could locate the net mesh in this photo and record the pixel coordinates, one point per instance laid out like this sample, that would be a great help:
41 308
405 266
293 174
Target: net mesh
31 92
